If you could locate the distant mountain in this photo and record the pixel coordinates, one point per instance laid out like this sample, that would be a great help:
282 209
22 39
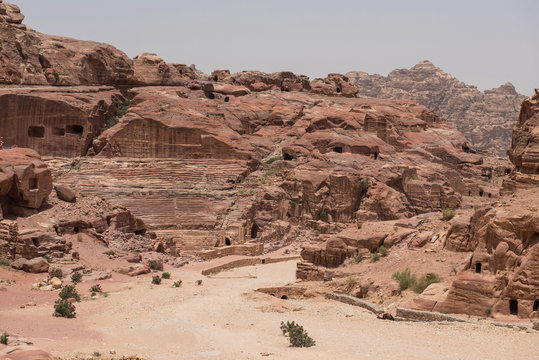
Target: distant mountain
485 118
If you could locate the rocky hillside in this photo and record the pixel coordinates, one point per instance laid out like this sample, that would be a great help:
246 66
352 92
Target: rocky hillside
485 118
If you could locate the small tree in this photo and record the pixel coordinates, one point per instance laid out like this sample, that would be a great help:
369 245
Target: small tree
4 338
76 277
156 280
64 308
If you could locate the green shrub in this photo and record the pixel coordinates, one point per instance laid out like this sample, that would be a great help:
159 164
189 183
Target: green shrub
156 280
351 282
56 76
121 108
63 308
96 354
69 292
296 334
365 185
324 213
155 265
47 257
375 257
383 251
165 275
58 273
272 160
408 280
110 253
405 279
424 282
4 262
448 214
359 225
199 282
76 277
110 122
4 338
358 257
177 283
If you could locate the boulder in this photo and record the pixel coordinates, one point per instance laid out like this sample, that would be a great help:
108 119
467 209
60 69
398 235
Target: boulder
35 265
65 193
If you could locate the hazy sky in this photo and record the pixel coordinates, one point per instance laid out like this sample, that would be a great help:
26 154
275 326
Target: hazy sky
482 42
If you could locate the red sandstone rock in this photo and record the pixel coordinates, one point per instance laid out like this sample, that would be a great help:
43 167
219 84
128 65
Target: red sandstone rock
27 354
25 181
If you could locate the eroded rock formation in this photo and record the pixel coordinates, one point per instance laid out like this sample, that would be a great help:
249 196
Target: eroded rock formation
485 118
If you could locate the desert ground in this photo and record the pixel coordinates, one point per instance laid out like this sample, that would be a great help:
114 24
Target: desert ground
224 318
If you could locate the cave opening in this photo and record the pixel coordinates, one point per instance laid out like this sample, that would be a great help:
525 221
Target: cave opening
466 149
481 193
284 297
489 195
288 157
339 90
211 96
469 192
507 171
375 154
215 78
76 229
337 149
140 232
75 129
227 99
513 307
36 131
228 242
35 242
536 305
254 231
32 183
478 267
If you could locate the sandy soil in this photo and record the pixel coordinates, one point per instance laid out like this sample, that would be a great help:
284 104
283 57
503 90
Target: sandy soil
225 319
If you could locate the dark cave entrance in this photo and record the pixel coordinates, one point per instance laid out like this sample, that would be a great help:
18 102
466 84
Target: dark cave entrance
481 193
228 242
375 155
478 267
254 231
337 149
513 307
288 157
536 305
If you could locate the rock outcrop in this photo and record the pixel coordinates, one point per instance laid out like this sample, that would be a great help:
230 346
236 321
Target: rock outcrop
485 118
25 181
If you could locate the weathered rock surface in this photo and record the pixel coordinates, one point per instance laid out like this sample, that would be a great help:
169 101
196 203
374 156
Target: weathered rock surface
25 181
485 118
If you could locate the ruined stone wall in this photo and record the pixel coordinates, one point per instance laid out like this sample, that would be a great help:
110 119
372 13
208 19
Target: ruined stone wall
9 231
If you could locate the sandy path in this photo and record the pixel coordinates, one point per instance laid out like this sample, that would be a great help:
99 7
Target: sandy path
218 321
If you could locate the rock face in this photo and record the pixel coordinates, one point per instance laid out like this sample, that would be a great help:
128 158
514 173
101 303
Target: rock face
524 152
25 181
485 118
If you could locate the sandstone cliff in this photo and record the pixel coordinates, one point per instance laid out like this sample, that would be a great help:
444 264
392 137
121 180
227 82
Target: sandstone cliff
485 118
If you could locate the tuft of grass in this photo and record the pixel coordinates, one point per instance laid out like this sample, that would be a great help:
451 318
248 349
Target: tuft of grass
199 282
448 214
359 225
177 284
56 76
272 160
165 275
47 257
96 289
358 257
79 237
383 251
351 282
110 253
424 282
375 257
156 280
408 280
96 354
4 262
366 183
